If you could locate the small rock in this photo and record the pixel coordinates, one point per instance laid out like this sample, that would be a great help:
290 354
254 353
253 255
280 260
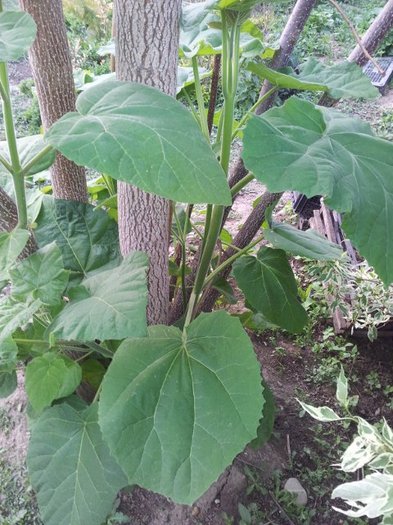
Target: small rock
217 501
293 486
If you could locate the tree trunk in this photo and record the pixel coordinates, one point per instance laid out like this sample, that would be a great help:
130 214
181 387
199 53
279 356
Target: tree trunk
8 212
52 71
288 41
374 35
147 39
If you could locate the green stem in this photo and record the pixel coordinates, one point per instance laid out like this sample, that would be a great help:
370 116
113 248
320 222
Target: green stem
6 164
248 114
190 103
240 185
35 160
30 341
17 176
230 260
199 97
230 58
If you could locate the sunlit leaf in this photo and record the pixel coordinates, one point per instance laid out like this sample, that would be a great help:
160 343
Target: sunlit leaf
17 33
138 134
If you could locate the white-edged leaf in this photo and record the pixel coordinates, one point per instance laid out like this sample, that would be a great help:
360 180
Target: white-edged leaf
342 388
323 414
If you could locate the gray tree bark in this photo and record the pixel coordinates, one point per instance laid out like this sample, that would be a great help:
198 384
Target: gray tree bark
8 212
147 39
374 34
288 41
52 71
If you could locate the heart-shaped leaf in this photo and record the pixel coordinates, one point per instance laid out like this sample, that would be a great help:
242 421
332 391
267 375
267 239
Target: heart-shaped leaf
270 287
140 135
321 152
200 32
28 148
176 407
109 305
42 275
17 33
11 246
303 243
87 238
50 377
75 478
343 80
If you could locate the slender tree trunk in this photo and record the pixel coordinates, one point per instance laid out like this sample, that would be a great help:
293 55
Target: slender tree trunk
52 70
147 40
374 35
288 41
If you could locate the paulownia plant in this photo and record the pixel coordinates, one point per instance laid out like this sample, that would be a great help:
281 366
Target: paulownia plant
172 405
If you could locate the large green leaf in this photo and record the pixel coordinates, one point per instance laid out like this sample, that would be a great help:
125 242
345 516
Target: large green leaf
51 377
140 135
15 314
200 32
72 472
303 243
321 152
109 305
28 148
8 355
87 238
269 285
241 6
343 80
176 407
11 246
17 33
42 275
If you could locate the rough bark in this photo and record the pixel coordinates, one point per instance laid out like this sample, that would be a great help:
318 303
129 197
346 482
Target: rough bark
8 212
52 71
374 35
147 39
